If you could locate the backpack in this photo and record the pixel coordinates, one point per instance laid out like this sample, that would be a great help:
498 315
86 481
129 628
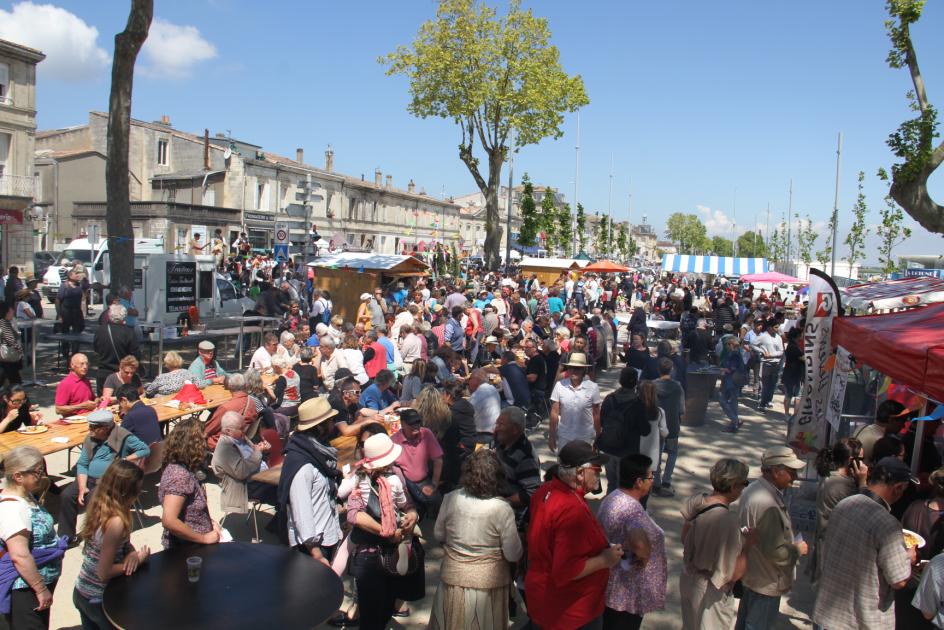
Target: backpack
326 313
614 421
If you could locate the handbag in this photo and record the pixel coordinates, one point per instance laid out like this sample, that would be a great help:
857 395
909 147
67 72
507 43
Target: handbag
10 353
389 556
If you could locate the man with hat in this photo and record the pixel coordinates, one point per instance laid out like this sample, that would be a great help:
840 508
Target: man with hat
308 485
865 559
569 556
575 405
771 562
104 443
205 368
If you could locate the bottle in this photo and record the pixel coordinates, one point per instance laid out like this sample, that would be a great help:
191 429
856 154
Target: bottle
186 330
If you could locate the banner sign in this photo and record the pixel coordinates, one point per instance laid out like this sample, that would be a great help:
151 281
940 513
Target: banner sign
181 286
837 391
807 432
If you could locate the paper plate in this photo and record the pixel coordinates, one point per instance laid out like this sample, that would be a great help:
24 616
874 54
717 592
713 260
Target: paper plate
908 533
32 430
75 420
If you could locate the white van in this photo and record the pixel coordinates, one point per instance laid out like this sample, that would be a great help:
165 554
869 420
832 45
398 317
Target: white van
97 263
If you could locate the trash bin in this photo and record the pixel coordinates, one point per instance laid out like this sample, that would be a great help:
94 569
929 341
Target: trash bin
701 384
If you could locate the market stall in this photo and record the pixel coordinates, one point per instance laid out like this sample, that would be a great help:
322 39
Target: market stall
893 294
347 275
548 270
715 265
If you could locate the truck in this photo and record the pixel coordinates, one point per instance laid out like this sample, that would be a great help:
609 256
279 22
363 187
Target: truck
96 259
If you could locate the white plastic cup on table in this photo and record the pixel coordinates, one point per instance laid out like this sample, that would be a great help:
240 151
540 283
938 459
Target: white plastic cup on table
194 564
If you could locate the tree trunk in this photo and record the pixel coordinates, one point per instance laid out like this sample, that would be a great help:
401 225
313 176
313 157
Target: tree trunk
913 196
120 235
493 222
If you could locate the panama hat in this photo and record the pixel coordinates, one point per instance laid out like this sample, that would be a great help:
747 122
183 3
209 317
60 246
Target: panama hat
313 412
380 451
577 360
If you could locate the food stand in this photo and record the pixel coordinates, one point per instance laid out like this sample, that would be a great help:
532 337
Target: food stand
548 270
714 265
347 275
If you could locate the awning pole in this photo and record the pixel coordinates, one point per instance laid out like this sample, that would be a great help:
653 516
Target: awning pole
919 440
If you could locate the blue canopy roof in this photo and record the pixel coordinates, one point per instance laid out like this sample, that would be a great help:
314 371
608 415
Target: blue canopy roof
717 265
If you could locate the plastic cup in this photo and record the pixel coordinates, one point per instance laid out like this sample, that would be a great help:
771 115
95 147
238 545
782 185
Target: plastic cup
194 564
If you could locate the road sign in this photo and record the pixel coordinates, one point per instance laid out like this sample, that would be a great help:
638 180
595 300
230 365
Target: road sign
281 251
281 233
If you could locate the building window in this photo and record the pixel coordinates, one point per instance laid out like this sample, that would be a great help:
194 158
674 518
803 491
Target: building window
5 139
162 148
209 196
5 97
262 196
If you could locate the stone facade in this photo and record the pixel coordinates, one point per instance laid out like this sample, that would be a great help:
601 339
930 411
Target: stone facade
17 136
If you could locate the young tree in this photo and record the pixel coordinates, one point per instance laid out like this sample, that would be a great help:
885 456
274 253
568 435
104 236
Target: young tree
548 219
721 246
530 222
128 44
581 222
891 233
914 140
778 244
751 245
855 239
565 232
806 238
489 74
600 242
622 242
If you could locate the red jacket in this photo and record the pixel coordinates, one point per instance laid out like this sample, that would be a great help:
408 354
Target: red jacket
378 362
563 534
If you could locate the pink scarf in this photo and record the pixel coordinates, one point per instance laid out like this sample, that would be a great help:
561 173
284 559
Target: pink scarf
388 515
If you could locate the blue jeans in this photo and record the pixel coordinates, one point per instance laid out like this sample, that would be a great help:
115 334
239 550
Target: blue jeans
728 399
92 615
757 612
670 448
768 378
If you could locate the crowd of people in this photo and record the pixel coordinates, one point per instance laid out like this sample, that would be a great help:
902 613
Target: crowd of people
413 419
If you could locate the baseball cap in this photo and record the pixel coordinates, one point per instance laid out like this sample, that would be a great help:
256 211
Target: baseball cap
578 453
895 470
781 456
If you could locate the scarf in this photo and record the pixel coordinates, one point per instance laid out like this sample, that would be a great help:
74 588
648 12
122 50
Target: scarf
301 450
388 514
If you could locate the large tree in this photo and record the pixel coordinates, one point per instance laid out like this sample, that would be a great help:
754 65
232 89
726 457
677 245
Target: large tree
721 246
530 222
914 141
688 232
751 245
490 74
128 44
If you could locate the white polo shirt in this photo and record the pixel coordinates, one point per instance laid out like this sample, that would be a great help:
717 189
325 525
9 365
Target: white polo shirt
576 410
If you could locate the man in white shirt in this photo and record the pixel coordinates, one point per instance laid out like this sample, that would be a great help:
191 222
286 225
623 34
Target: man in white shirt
262 357
486 400
770 347
575 408
411 348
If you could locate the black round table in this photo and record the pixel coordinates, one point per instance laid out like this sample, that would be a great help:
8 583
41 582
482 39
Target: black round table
241 585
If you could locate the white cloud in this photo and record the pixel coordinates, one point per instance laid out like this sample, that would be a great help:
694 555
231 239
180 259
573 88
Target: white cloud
70 44
171 50
716 222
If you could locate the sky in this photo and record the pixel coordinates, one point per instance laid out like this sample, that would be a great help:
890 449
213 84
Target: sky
709 108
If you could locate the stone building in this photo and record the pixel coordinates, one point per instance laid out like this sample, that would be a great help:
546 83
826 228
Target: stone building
17 135
183 184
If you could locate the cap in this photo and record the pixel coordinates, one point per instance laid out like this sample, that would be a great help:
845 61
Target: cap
100 416
578 453
895 470
410 416
365 296
206 345
781 456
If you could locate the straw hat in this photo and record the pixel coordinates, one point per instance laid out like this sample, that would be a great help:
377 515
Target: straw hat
313 412
380 451
577 360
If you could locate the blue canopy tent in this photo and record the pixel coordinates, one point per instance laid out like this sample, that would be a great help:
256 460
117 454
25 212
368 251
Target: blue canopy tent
717 265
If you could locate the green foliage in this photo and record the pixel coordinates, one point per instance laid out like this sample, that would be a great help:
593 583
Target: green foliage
530 222
855 239
777 247
581 228
891 233
913 141
565 232
548 219
688 232
751 245
489 73
806 238
601 243
622 242
721 246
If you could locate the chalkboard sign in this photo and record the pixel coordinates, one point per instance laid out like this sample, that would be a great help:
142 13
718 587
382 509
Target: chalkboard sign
138 278
181 286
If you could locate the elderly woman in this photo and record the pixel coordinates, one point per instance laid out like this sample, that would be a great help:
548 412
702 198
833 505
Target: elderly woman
127 374
185 517
476 527
329 361
637 584
354 358
379 530
288 347
172 379
28 539
286 387
714 551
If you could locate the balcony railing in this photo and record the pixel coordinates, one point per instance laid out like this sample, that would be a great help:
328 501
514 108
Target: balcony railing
180 212
16 185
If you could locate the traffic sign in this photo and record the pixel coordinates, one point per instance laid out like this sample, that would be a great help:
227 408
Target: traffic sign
281 252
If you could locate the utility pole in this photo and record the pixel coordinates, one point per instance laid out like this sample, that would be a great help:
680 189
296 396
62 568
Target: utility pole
767 232
576 188
835 220
789 264
511 168
734 222
609 212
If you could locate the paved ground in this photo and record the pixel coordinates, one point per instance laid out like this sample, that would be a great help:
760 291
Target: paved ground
700 447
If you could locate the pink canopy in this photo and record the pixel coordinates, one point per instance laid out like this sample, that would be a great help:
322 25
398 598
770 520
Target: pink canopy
774 277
